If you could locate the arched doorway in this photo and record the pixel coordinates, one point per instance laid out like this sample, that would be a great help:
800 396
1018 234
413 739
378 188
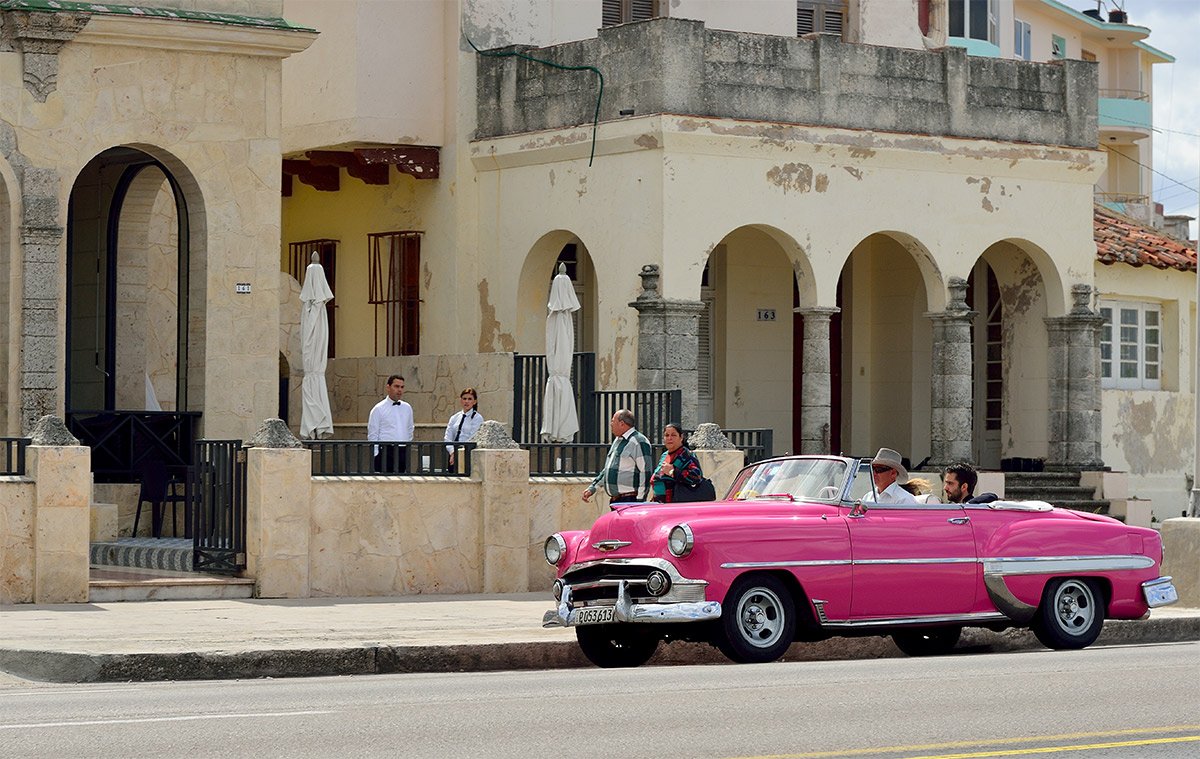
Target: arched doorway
881 348
129 341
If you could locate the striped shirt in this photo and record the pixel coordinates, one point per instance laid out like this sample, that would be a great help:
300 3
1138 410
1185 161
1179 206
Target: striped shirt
628 467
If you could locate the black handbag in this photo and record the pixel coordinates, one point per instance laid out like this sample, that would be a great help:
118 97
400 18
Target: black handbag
703 491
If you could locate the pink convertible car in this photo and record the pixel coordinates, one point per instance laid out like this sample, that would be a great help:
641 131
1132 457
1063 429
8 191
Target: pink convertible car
799 551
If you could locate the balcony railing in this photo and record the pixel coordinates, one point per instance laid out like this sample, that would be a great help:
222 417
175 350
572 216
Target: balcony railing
358 458
12 456
1120 198
1124 94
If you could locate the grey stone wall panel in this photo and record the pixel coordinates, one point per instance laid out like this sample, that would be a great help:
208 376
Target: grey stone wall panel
683 68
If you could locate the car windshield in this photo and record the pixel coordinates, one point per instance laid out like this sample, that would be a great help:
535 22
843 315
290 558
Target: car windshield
864 484
809 479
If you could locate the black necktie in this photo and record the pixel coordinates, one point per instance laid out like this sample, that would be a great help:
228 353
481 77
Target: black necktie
461 419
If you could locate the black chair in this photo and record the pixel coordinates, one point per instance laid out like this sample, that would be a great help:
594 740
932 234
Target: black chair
159 488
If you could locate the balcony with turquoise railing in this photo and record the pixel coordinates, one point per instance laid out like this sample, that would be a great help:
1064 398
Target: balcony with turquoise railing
1125 115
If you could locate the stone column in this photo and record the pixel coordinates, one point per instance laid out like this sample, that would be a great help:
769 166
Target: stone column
668 343
719 460
816 414
503 468
278 512
951 425
62 471
1074 373
41 378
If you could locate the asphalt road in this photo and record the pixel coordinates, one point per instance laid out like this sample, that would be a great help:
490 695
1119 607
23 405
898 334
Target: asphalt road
1111 702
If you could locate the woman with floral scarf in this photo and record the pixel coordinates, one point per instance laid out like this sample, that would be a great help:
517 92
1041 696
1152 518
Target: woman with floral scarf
677 465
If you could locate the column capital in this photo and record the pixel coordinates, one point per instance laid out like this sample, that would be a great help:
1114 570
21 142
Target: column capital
817 312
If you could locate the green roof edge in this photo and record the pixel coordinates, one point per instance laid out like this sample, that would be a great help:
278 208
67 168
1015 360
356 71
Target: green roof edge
137 11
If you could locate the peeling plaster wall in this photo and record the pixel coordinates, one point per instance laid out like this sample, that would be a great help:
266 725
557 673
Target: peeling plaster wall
1151 433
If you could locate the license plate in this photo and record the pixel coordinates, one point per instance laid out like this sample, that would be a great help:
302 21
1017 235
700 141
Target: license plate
1160 594
594 615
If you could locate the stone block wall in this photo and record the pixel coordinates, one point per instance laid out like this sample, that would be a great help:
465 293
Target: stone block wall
678 66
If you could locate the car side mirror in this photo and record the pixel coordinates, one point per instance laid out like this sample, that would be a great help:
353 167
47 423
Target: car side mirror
858 510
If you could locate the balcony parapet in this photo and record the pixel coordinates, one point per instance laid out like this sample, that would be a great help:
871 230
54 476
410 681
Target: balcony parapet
677 66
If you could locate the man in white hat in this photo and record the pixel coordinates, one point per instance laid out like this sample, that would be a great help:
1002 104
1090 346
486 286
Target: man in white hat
889 473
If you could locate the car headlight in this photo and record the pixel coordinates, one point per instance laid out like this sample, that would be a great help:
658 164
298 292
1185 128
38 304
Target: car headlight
680 540
555 549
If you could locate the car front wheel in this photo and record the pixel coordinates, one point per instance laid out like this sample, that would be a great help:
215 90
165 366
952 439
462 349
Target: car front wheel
616 645
1071 614
932 642
758 621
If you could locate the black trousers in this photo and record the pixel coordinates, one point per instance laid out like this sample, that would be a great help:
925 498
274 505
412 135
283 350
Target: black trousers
392 460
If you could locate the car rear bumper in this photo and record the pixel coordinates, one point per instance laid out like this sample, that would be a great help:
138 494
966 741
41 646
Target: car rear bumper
1160 592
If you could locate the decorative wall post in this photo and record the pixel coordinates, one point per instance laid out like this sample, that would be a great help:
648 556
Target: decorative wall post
816 415
1074 374
503 468
278 512
41 376
668 343
951 425
61 524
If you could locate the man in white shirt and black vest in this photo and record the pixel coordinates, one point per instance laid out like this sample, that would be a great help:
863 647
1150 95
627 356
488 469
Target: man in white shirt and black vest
391 420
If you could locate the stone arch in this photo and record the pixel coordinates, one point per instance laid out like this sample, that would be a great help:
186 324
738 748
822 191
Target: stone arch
882 350
533 289
129 205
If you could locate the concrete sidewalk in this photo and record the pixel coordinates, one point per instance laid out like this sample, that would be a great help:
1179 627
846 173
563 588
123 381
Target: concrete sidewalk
187 640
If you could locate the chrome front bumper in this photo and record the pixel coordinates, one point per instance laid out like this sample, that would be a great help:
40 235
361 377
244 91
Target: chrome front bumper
626 610
1160 592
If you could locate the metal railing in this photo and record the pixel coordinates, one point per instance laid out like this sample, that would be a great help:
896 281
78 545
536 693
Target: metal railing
1120 197
529 389
566 459
757 444
361 458
122 440
216 493
1119 94
12 456
653 409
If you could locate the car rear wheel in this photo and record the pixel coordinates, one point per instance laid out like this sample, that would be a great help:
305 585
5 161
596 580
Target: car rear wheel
758 621
932 642
617 645
1071 614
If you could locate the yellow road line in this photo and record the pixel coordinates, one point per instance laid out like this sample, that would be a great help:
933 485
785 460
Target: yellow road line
1057 749
995 742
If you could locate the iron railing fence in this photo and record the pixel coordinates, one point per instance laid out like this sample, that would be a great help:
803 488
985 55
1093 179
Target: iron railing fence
529 390
757 444
361 458
566 459
123 442
652 408
216 492
12 456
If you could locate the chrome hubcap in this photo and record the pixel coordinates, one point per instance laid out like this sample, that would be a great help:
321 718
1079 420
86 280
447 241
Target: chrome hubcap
761 615
1076 607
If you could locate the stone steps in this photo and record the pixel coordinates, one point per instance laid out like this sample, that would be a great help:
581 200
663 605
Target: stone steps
173 554
108 584
1060 489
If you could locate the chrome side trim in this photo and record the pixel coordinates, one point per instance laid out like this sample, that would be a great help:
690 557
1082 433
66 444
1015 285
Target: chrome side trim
1005 602
971 560
819 605
966 619
771 564
1039 565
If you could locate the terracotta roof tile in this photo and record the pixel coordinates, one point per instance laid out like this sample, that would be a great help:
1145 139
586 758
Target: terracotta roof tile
1120 239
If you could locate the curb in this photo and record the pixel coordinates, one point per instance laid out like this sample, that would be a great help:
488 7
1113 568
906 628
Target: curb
72 667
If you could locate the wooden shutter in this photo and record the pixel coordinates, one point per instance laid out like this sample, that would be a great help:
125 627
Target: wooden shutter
826 16
615 12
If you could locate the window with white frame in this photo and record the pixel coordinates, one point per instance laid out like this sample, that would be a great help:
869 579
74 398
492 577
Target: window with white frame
975 19
1022 40
1131 345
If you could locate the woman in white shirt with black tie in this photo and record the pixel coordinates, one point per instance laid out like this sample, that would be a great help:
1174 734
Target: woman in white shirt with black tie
463 425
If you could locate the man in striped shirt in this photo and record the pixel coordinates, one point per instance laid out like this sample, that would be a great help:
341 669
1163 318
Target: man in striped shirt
627 469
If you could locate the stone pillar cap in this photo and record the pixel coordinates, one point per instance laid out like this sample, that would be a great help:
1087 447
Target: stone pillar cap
52 431
274 433
493 435
708 437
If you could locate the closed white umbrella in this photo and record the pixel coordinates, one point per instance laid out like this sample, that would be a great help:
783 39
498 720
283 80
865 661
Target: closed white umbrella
560 420
316 420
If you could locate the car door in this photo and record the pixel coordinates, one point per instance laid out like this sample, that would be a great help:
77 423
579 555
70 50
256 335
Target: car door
911 560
